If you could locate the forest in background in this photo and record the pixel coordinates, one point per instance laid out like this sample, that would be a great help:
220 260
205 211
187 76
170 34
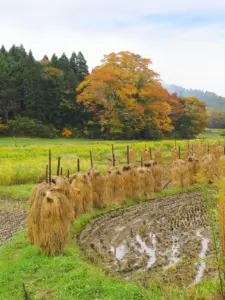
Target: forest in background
211 99
215 104
121 99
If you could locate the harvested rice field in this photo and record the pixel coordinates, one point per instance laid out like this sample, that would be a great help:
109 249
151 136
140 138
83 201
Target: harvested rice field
167 236
13 217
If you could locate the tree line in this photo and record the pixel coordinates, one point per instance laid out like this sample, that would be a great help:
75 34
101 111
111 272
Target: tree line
121 98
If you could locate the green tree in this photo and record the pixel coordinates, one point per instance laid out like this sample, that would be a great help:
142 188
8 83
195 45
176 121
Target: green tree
8 102
82 68
54 61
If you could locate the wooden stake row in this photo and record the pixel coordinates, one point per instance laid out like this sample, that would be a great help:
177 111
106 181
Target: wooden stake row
48 172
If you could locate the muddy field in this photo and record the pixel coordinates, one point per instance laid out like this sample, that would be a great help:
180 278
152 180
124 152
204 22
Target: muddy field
166 240
13 217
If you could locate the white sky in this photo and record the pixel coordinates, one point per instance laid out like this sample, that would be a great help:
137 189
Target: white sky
184 39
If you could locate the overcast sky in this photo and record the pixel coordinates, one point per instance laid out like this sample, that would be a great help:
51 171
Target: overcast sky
185 39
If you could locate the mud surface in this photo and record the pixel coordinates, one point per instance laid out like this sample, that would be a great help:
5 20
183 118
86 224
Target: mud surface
169 236
13 217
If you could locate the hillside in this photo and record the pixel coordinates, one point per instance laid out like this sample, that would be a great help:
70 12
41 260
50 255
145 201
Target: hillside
211 99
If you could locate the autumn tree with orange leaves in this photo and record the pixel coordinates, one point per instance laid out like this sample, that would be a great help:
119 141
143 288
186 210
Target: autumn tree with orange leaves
127 98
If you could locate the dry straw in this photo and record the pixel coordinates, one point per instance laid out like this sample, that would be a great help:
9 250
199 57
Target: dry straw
158 156
82 182
175 154
115 190
146 155
147 182
64 184
98 182
49 219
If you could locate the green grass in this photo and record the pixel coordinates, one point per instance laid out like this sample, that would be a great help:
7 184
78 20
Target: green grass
70 276
23 160
16 192
212 134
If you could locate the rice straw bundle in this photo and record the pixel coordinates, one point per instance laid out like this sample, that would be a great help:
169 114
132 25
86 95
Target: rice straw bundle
98 182
49 220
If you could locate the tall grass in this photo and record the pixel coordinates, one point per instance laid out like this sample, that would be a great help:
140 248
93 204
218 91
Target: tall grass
25 163
215 208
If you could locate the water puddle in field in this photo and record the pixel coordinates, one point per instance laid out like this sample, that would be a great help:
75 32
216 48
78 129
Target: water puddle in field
151 251
202 256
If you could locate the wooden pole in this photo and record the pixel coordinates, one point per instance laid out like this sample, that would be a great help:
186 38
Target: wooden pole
114 160
50 166
167 184
78 165
68 173
113 156
150 151
128 159
142 162
58 166
91 159
46 174
61 171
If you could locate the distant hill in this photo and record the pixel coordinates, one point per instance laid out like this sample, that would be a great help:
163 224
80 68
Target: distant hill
212 100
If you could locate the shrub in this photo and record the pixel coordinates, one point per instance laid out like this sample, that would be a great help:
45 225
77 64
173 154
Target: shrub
66 132
3 129
32 128
223 133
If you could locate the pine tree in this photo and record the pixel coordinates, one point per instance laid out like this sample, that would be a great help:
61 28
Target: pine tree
3 50
73 62
63 63
82 68
54 61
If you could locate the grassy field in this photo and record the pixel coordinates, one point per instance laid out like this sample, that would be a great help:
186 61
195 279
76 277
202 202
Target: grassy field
23 160
70 276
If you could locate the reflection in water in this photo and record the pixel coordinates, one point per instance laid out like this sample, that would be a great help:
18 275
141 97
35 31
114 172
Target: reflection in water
150 251
202 264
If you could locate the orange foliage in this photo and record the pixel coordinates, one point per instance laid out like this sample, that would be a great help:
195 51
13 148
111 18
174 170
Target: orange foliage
45 61
66 132
124 88
51 71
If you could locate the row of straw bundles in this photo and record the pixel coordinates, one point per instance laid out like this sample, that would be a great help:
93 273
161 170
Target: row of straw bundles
52 207
147 155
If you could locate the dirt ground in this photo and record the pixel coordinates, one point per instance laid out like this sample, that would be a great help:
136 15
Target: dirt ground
13 217
166 238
